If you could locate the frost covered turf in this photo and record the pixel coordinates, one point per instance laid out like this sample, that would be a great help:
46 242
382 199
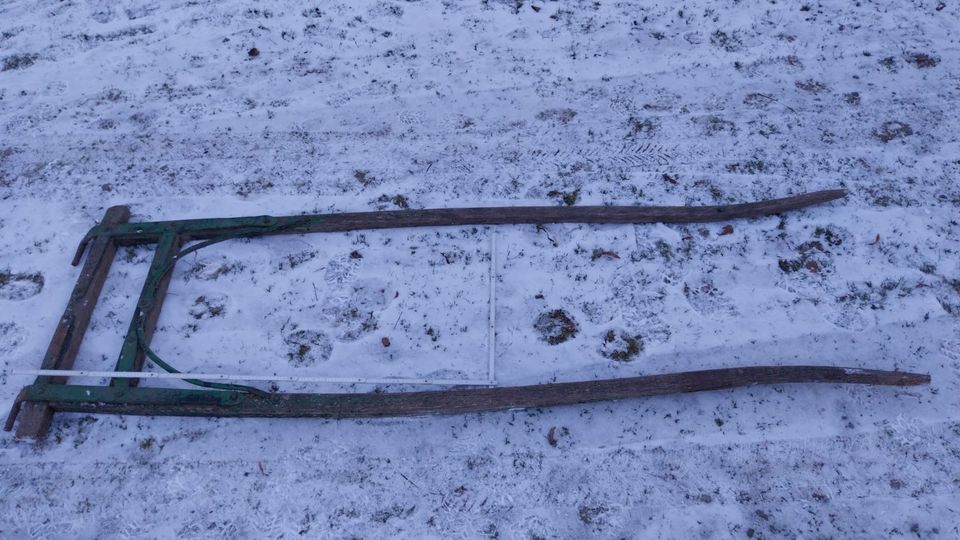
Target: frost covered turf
226 108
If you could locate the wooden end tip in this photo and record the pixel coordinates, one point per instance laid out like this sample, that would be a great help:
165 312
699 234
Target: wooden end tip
914 379
78 255
118 213
834 194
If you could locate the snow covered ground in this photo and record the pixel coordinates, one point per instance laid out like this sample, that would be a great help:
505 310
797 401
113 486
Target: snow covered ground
201 108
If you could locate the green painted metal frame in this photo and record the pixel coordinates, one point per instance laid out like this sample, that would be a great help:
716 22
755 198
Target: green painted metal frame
49 394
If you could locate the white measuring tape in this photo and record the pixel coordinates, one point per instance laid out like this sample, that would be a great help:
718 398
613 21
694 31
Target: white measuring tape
233 377
492 338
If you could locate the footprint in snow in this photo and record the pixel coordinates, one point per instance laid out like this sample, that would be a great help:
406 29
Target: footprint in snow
706 299
950 347
307 347
11 337
20 286
340 270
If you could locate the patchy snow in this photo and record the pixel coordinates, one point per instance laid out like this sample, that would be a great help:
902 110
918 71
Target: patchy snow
166 107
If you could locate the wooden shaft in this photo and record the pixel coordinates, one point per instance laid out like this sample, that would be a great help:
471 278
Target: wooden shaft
178 402
573 214
200 229
35 417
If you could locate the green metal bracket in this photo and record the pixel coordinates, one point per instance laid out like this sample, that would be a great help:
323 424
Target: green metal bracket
148 306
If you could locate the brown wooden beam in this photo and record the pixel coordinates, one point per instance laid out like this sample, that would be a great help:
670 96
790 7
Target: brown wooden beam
183 402
200 229
35 417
